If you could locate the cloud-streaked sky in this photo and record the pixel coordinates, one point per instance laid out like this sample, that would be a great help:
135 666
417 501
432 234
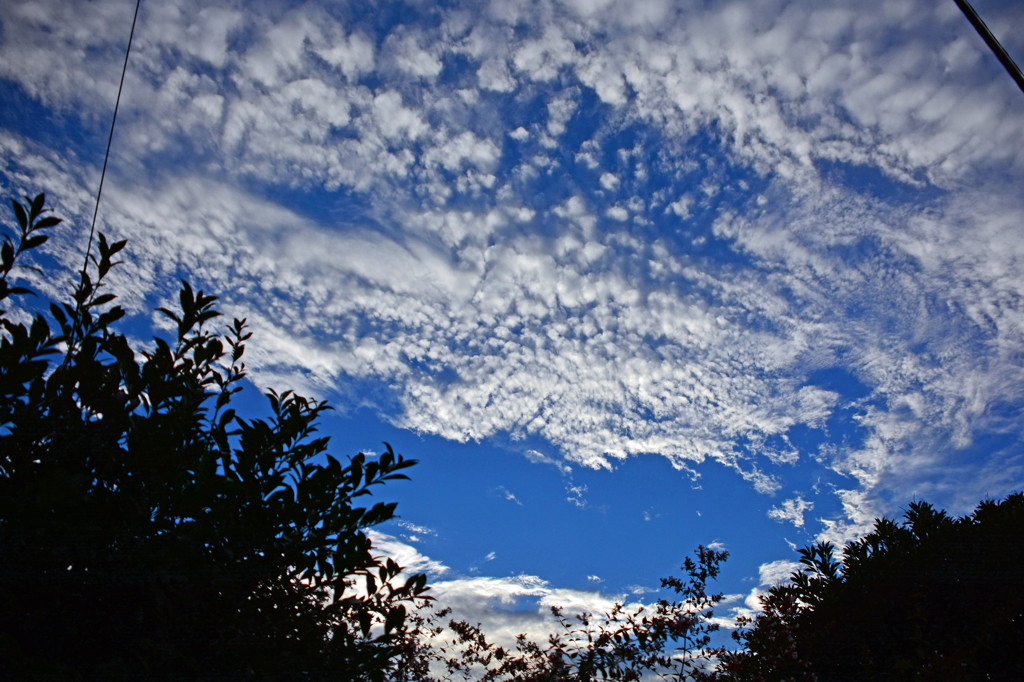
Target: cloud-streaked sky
626 276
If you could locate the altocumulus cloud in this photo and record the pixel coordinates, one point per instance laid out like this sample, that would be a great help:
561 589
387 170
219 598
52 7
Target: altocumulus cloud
714 204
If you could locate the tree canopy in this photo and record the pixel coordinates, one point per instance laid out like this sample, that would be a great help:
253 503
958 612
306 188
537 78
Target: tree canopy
148 530
934 597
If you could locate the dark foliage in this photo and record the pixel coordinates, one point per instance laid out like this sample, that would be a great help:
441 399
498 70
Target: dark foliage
147 530
933 597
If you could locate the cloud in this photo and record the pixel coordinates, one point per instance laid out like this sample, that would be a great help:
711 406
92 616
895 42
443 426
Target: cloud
540 458
505 607
407 556
411 56
575 495
617 213
462 252
508 495
415 528
609 181
353 55
681 207
776 572
791 510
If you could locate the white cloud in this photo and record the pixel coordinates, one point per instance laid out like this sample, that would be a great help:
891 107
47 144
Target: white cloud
544 320
559 112
589 8
407 556
542 58
494 74
791 510
682 207
540 458
617 213
415 528
505 606
575 495
508 495
396 120
353 55
776 572
411 57
465 148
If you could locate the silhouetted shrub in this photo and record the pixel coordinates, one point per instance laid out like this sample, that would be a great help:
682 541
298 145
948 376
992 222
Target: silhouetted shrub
933 597
147 530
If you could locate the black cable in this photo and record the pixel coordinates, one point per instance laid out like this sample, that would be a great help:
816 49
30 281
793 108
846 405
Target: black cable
992 42
110 139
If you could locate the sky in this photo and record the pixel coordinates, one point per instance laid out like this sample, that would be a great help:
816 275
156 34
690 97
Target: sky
625 277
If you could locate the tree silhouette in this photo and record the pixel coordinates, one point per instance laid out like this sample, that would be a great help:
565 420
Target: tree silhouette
147 530
933 597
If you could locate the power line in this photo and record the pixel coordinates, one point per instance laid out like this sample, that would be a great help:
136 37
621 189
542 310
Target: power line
1004 57
110 139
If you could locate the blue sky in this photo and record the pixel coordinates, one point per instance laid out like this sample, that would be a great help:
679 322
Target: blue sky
626 277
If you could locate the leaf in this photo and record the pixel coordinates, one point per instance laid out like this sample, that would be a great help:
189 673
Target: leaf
48 221
19 211
102 299
365 622
394 619
168 313
111 316
37 204
58 314
34 241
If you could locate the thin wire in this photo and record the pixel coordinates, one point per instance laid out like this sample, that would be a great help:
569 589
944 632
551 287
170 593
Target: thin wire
110 139
993 43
